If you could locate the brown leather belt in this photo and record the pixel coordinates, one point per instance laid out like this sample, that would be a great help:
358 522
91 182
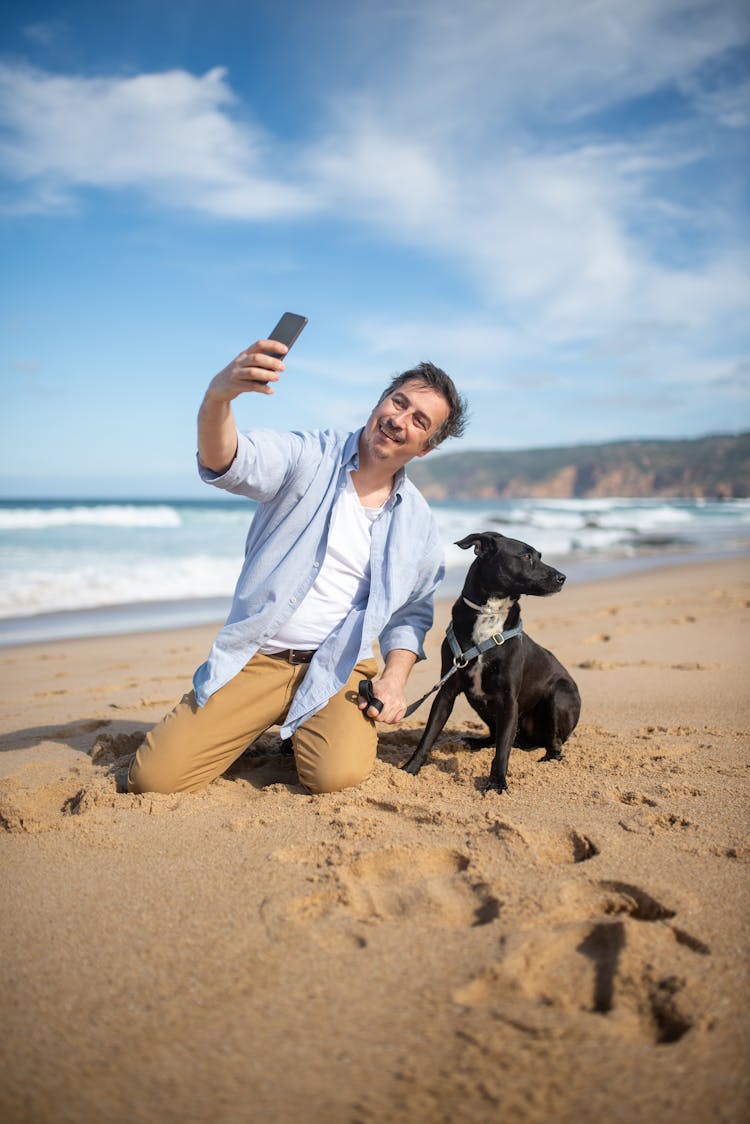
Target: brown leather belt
294 655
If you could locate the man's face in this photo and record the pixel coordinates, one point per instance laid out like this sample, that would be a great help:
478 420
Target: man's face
400 427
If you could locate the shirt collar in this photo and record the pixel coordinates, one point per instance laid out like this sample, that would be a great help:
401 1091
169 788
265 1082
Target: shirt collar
351 463
351 450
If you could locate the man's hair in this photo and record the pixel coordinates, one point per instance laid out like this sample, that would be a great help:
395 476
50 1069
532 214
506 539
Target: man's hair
432 376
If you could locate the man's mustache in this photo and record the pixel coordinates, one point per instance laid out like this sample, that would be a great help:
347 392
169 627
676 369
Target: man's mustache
394 434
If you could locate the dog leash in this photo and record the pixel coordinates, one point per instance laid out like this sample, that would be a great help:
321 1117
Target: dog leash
460 660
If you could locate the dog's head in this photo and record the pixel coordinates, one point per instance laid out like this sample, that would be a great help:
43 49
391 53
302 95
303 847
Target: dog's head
507 568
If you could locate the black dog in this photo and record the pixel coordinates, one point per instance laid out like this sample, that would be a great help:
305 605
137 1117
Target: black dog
518 688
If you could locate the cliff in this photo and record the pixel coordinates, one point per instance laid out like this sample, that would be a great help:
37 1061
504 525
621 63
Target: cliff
707 467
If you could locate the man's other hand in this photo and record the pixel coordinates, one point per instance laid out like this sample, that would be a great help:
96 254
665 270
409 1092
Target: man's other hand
389 692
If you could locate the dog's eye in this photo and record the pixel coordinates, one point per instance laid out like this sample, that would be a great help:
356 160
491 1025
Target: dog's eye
527 556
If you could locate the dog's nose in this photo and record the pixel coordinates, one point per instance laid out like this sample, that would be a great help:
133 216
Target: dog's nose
560 578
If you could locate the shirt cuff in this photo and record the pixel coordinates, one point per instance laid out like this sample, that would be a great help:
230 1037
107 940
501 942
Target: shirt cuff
233 475
403 636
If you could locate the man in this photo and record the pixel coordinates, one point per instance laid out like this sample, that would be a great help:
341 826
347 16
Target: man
342 551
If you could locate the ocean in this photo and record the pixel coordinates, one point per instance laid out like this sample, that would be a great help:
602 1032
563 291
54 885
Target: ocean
82 567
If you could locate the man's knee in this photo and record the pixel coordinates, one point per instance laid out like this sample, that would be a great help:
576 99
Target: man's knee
330 766
331 777
137 782
149 775
165 761
161 763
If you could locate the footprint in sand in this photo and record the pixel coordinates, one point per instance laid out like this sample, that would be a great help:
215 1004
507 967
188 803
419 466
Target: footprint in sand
654 823
432 887
40 798
624 960
34 802
636 798
556 846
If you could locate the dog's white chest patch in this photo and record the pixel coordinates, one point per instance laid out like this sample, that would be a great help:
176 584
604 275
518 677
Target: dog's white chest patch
491 618
475 677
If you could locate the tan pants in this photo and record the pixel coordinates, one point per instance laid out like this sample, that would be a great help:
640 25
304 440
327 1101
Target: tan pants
194 745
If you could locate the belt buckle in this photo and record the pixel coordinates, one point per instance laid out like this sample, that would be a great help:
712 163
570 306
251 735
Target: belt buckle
299 656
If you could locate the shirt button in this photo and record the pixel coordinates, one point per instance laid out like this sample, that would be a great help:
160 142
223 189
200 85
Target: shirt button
316 565
292 600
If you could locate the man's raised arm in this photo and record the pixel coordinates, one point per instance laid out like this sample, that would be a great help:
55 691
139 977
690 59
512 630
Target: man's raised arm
253 371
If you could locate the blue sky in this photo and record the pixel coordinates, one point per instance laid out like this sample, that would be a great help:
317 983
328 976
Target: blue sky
548 199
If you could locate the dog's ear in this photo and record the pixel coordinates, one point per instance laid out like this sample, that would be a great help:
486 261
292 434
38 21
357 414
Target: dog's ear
479 542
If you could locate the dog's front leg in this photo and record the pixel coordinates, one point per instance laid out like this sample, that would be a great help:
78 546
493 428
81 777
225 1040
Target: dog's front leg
507 721
439 715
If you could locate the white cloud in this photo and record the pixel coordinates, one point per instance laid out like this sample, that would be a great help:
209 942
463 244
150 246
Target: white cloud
551 239
476 147
504 62
169 135
467 139
728 107
388 175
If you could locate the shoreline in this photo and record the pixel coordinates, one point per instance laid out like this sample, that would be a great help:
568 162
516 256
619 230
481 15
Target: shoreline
577 949
185 613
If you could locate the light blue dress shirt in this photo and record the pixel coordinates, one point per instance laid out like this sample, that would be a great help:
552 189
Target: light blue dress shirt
297 479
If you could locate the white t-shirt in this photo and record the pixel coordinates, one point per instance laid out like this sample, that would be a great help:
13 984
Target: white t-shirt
343 581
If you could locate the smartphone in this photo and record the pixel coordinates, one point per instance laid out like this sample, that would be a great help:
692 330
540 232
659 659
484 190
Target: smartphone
288 329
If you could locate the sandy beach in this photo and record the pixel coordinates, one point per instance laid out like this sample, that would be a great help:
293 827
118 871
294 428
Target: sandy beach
408 951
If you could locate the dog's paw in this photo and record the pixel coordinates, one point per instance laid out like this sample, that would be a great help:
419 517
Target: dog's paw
412 766
550 755
494 785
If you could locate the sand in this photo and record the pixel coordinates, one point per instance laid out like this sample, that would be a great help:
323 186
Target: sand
410 950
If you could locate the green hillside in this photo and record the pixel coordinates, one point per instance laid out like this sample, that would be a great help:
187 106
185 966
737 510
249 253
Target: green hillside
714 466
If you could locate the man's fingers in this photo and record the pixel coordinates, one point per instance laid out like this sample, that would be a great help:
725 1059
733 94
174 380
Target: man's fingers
271 345
259 387
267 349
255 378
256 361
389 710
366 692
257 357
254 371
389 716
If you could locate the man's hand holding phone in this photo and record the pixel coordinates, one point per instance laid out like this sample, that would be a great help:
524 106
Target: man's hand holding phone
259 366
253 371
